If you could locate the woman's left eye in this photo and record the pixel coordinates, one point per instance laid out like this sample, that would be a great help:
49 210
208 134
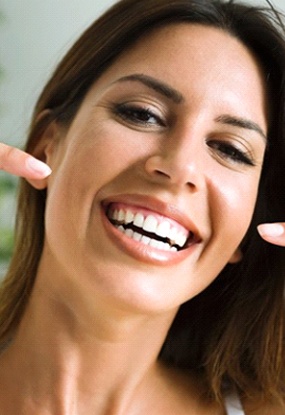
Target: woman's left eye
230 152
138 115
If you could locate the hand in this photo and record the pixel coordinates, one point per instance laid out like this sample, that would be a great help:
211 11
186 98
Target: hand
273 233
15 161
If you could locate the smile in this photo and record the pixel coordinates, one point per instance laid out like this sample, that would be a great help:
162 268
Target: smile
150 228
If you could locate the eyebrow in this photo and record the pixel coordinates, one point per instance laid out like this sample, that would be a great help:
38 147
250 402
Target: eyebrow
242 123
156 85
171 93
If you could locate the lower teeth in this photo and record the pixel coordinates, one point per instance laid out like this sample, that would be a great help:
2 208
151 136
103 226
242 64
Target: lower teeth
146 240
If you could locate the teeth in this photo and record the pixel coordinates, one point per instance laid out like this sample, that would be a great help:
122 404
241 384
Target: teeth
121 216
129 217
173 233
149 224
137 236
163 229
114 215
154 243
146 240
129 232
181 239
139 220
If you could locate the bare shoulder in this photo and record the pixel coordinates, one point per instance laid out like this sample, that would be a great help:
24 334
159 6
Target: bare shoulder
185 393
263 409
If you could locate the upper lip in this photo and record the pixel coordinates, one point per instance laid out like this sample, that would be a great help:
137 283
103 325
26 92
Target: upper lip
158 206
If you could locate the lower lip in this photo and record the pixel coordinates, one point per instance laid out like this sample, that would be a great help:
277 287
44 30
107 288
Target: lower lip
141 252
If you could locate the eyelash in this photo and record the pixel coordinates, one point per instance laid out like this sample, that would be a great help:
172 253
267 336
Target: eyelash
138 115
229 151
141 116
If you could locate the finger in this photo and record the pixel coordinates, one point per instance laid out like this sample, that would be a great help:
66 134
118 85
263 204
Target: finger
273 233
15 161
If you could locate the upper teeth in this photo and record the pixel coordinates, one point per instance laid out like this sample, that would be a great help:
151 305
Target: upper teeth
149 223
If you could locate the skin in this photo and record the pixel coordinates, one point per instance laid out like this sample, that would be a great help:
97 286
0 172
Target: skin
100 311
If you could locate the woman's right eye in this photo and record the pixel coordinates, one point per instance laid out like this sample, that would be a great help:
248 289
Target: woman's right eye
138 115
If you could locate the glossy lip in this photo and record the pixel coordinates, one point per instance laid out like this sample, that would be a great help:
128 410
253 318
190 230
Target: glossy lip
143 252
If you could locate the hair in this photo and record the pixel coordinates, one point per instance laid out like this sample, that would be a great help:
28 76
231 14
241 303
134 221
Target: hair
233 332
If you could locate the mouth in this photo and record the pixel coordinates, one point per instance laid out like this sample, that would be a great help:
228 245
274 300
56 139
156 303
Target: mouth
150 228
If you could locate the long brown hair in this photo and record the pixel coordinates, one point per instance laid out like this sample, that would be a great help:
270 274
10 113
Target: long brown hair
233 332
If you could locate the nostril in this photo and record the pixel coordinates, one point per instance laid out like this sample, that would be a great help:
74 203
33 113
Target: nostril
161 173
191 185
175 170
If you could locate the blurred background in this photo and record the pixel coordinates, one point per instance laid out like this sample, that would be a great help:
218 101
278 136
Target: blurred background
34 35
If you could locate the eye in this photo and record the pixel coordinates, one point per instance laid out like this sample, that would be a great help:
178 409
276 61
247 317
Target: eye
230 152
138 115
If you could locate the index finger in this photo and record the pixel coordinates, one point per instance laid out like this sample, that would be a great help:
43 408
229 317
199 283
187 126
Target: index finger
19 163
273 233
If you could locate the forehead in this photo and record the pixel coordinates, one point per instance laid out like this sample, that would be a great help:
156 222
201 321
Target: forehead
196 60
186 49
178 43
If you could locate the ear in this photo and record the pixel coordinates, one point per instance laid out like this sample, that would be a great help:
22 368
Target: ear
44 150
236 256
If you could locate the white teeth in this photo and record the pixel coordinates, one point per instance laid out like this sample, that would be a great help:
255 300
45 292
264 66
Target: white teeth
150 224
139 220
163 229
121 216
173 234
164 246
129 233
115 215
137 236
145 240
129 217
181 239
154 243
160 245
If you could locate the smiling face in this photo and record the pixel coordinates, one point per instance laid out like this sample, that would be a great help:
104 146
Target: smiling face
155 182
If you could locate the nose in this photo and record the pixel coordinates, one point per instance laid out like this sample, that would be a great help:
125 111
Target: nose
177 163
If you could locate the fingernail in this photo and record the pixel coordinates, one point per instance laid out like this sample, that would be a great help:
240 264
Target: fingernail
38 166
270 229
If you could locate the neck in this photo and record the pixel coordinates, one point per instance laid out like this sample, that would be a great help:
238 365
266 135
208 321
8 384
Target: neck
67 354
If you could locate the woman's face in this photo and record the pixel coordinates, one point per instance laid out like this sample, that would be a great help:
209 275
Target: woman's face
155 182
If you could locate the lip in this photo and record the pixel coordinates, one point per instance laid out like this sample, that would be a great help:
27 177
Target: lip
136 249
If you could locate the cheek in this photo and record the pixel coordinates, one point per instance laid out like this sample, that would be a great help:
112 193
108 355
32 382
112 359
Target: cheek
231 208
91 160
234 206
107 150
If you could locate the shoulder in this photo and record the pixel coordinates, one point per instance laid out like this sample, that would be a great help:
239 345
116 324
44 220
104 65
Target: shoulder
185 393
263 409
242 406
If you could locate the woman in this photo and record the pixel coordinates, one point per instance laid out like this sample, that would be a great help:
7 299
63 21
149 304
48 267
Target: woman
139 283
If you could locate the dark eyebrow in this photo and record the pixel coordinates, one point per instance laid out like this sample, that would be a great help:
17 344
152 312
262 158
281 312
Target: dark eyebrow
171 93
242 123
158 86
